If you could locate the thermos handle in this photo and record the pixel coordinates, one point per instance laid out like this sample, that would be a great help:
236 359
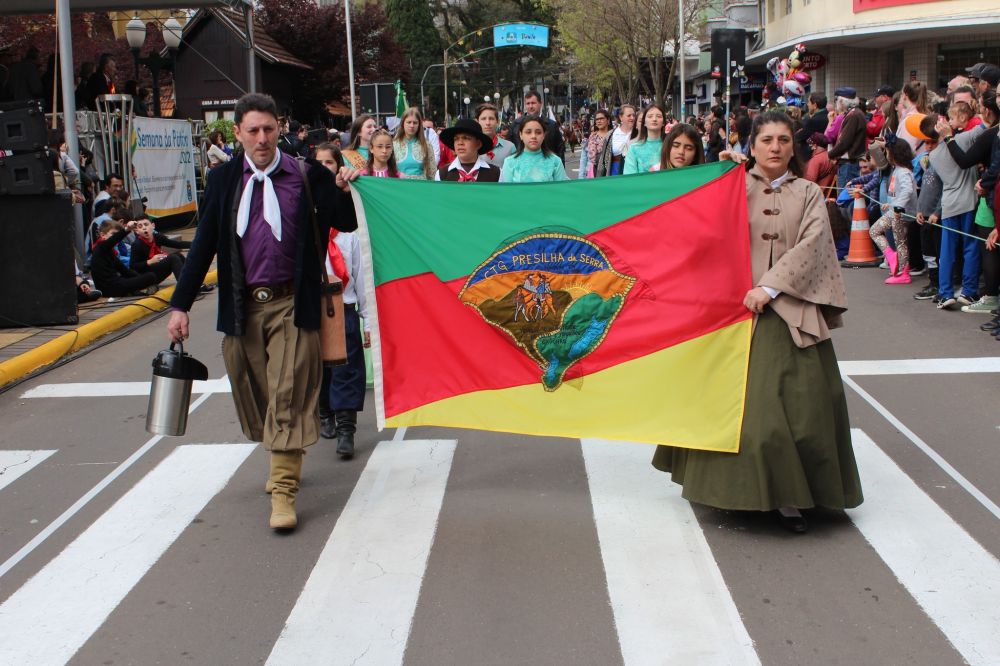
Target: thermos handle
179 343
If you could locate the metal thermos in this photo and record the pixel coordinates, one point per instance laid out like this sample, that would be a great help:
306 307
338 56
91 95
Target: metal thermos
170 393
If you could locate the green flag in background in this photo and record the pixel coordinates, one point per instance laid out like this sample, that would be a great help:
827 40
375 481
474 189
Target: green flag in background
401 104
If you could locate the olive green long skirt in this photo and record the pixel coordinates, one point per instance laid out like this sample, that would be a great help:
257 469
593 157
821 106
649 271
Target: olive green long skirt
795 448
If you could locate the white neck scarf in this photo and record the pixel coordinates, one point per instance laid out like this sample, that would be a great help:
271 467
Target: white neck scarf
272 209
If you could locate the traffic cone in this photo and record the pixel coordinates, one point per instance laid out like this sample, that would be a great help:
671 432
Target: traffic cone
862 251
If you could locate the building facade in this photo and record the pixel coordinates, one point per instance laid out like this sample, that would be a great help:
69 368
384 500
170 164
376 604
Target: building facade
868 43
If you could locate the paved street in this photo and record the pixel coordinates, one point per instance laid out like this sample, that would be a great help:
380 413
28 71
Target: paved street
441 546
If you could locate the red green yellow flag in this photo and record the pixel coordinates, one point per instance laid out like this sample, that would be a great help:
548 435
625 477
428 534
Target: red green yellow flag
608 308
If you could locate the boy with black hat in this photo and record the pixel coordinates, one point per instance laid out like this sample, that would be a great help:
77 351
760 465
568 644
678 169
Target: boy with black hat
469 142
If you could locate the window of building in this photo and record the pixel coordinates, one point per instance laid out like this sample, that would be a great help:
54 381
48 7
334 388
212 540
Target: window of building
952 59
788 6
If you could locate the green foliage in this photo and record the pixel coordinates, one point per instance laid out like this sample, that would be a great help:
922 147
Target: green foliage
223 125
413 27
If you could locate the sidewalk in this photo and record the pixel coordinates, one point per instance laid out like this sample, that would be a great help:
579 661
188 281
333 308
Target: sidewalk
25 350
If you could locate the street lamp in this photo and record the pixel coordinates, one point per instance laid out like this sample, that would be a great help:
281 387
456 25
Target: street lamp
135 34
466 100
486 98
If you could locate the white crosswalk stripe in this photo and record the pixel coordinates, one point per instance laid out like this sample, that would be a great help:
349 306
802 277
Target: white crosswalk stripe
660 570
359 601
56 611
14 464
953 578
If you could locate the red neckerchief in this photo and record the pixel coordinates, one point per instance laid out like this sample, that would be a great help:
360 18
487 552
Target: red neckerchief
467 176
337 258
496 141
154 249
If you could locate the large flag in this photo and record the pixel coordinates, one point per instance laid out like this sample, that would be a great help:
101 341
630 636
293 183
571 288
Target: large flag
607 308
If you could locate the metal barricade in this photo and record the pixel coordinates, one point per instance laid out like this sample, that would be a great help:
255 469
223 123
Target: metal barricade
114 116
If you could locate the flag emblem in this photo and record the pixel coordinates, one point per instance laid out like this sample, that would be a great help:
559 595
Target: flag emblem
555 295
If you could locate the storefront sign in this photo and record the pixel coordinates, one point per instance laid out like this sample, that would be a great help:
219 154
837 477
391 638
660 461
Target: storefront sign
521 34
812 61
218 102
868 5
163 165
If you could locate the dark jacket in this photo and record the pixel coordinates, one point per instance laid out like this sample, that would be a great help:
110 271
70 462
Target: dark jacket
216 236
105 266
97 86
851 142
491 175
553 137
817 122
139 260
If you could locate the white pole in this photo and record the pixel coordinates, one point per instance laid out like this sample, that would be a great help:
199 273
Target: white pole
63 18
680 39
350 57
728 95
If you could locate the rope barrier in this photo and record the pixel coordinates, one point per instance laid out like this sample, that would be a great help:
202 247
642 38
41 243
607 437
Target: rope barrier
912 217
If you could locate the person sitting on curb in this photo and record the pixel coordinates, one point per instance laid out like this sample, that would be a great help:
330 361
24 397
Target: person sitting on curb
147 251
111 276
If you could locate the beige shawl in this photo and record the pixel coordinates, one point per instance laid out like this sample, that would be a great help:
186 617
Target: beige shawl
792 250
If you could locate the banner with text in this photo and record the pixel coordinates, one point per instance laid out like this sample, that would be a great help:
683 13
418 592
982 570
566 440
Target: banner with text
163 166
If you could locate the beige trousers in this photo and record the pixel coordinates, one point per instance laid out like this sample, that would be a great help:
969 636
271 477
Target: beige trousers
276 373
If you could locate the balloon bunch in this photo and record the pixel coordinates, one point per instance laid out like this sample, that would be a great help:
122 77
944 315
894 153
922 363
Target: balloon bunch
789 79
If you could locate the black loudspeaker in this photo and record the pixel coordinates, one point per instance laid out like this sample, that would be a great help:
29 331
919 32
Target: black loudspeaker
736 42
27 174
22 126
37 276
386 97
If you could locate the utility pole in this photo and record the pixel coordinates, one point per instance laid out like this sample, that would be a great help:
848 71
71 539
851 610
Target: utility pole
350 58
680 39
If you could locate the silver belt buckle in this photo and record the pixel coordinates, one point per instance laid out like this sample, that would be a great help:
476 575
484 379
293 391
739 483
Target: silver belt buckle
262 294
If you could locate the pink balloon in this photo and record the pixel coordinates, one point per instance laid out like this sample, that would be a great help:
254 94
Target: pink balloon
802 77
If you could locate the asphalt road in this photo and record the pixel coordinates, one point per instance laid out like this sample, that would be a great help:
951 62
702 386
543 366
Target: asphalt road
442 546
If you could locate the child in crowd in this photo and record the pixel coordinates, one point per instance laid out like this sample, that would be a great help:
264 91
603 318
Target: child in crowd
470 144
533 162
929 209
112 276
902 195
343 392
148 255
381 161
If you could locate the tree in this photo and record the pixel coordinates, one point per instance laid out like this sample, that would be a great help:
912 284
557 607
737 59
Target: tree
92 34
413 27
317 35
627 37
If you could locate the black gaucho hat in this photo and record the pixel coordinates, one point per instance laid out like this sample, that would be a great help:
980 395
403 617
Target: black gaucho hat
470 127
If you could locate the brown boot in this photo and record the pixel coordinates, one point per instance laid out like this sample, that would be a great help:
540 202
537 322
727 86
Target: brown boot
286 470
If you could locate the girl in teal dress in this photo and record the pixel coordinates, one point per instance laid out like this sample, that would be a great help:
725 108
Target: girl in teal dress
644 153
414 157
532 163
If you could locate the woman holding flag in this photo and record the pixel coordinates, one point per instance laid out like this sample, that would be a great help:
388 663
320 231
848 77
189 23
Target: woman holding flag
795 447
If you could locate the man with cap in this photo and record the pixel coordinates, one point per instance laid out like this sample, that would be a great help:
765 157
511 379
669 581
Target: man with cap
983 76
883 96
850 146
467 139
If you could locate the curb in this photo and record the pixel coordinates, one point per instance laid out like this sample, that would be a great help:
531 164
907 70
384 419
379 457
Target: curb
13 369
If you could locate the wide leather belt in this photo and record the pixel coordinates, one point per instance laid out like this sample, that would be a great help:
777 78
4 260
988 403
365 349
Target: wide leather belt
265 293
